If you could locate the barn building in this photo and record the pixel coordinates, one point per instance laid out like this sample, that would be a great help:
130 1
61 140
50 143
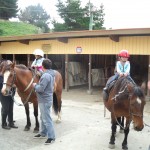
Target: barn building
84 57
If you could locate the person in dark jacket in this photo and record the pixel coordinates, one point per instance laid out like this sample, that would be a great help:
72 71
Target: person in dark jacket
7 103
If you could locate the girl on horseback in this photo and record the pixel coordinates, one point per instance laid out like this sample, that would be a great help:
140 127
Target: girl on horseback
39 57
122 68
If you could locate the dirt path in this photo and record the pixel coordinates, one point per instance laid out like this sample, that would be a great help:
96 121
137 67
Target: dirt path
83 127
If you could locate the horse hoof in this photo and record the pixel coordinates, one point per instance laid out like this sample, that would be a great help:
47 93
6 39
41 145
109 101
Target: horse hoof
36 130
125 147
121 131
111 146
26 129
58 121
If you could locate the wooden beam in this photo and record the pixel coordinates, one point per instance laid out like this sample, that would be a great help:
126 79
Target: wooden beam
90 75
114 38
66 73
63 40
24 42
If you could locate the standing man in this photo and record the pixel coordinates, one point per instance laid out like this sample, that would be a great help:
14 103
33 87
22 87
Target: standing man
44 90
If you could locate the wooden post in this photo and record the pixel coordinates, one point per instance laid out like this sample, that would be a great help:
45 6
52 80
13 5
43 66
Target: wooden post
66 73
90 75
28 60
148 91
14 59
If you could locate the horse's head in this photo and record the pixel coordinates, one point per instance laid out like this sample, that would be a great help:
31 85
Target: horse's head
9 78
136 105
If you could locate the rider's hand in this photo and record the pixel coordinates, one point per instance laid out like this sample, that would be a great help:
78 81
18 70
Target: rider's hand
34 84
125 74
35 66
121 74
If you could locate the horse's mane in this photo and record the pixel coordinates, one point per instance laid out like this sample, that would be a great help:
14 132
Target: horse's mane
21 66
123 84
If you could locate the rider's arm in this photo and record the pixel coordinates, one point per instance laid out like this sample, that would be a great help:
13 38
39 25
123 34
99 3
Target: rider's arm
33 64
119 68
127 68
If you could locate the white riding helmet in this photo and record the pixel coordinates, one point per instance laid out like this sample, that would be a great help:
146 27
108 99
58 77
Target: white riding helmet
38 52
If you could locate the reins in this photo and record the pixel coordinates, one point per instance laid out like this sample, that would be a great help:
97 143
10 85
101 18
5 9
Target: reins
130 111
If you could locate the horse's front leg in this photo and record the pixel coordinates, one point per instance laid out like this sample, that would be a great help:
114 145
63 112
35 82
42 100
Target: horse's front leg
124 143
28 125
36 129
112 138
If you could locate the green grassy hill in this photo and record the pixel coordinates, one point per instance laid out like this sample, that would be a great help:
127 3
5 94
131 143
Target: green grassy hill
8 28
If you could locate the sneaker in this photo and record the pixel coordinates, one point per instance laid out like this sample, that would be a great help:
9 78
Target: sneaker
49 141
39 136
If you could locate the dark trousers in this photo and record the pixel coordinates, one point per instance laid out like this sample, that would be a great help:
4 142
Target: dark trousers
7 109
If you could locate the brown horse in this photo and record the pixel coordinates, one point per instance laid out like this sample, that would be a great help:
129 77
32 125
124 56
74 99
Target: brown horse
22 78
125 100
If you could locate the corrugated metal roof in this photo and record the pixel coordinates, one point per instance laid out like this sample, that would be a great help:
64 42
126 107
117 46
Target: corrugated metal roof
80 34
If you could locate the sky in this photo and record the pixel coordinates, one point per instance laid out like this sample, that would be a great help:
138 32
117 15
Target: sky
119 14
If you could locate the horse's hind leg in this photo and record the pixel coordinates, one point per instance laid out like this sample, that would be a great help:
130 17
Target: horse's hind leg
59 108
28 125
112 138
57 105
36 129
124 143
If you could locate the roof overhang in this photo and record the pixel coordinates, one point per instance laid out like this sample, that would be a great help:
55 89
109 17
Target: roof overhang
64 36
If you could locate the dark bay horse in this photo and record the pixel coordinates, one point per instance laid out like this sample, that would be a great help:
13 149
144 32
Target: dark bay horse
22 78
125 100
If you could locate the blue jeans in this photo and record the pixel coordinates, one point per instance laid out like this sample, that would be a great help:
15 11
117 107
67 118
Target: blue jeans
111 79
115 77
47 128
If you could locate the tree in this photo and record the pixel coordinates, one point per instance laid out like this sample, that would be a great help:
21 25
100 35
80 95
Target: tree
8 9
77 18
98 18
35 15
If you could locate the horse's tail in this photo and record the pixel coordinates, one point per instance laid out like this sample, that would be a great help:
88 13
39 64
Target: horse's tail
55 103
139 92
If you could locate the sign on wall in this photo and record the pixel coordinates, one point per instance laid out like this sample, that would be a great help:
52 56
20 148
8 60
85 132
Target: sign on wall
79 50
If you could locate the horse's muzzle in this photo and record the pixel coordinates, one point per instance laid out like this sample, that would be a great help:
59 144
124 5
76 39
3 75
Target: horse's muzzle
138 128
5 92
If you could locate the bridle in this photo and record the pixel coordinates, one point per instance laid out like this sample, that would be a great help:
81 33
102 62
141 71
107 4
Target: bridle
131 114
10 93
